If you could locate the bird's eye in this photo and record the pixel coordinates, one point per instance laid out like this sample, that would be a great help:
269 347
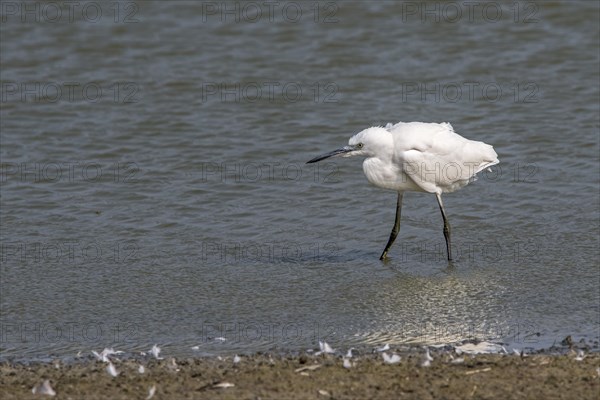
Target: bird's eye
360 145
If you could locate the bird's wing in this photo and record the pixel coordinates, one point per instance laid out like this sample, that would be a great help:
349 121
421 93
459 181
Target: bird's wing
436 158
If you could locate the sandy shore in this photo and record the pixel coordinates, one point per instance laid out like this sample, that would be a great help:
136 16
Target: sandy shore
308 376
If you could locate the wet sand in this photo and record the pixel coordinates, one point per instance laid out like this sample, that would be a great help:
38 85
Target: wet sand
265 376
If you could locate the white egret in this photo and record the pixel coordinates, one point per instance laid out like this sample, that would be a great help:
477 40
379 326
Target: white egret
419 157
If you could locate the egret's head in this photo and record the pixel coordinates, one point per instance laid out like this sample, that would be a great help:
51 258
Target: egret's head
368 143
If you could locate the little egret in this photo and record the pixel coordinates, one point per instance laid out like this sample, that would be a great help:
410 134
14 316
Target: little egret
418 157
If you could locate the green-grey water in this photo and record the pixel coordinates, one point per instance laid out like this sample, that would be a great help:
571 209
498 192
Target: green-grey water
154 186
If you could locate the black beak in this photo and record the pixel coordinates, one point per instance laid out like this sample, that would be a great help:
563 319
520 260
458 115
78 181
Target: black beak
343 150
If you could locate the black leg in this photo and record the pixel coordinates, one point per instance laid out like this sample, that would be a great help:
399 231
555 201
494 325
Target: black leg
446 227
395 229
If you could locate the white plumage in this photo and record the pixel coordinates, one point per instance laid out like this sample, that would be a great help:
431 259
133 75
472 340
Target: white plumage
420 157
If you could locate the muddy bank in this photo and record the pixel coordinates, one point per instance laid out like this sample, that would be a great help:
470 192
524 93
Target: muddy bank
449 376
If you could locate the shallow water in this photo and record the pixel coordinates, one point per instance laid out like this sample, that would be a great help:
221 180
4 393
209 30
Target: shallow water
154 190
